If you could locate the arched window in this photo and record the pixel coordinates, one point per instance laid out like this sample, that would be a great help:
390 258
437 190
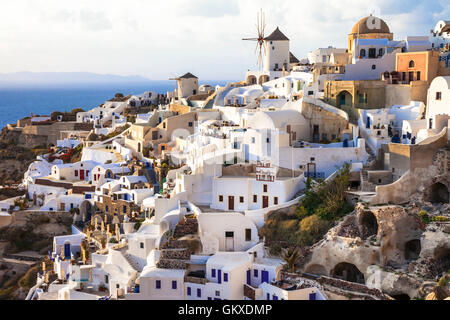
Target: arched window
362 53
411 64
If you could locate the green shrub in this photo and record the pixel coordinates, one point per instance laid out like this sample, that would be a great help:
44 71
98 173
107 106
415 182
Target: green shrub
423 215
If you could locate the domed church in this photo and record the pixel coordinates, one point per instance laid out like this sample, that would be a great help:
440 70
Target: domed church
369 27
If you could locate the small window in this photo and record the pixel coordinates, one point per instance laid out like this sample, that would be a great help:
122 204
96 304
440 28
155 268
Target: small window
199 293
255 198
174 285
418 76
374 67
225 277
141 245
158 284
248 234
275 200
220 198
117 286
188 291
217 293
438 95
268 140
191 124
253 140
265 188
255 273
241 199
213 273
362 53
76 173
411 64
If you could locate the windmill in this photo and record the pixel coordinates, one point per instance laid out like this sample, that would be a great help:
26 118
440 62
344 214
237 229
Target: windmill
260 27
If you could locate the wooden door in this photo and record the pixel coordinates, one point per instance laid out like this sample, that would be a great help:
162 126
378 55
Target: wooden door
265 201
230 203
81 174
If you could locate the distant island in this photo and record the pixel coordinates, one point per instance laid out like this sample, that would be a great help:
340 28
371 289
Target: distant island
65 78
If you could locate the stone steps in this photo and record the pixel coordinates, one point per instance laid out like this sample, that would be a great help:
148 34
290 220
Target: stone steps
185 227
180 254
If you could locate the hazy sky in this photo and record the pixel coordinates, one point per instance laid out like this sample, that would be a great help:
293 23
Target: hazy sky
159 39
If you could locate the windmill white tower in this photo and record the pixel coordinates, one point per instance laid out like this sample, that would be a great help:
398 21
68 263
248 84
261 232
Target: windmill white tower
273 53
277 56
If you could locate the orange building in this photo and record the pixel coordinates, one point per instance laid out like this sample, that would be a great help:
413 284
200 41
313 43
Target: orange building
417 66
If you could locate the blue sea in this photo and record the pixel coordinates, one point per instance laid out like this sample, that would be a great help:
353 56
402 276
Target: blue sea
18 101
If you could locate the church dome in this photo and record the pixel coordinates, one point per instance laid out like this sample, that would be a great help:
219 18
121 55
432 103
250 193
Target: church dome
370 25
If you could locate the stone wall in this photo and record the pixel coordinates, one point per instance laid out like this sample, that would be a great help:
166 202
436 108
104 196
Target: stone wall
329 123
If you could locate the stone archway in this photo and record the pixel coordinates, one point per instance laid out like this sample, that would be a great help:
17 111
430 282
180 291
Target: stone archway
86 211
442 258
348 272
344 98
316 269
368 224
437 193
412 249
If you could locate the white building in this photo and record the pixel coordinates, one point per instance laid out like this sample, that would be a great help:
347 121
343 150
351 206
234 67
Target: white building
440 35
438 103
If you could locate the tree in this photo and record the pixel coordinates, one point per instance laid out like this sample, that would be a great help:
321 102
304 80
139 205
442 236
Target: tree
290 256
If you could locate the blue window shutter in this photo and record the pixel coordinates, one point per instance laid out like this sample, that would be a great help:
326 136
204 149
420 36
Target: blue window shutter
199 293
188 291
225 277
158 284
255 273
213 273
174 285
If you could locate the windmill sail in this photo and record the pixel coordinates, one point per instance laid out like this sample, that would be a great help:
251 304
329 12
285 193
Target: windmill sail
260 49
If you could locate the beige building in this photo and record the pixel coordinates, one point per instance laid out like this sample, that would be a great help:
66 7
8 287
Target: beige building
144 136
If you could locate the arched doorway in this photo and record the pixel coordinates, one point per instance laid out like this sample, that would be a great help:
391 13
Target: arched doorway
86 211
437 193
263 79
412 249
345 98
368 224
348 272
251 80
